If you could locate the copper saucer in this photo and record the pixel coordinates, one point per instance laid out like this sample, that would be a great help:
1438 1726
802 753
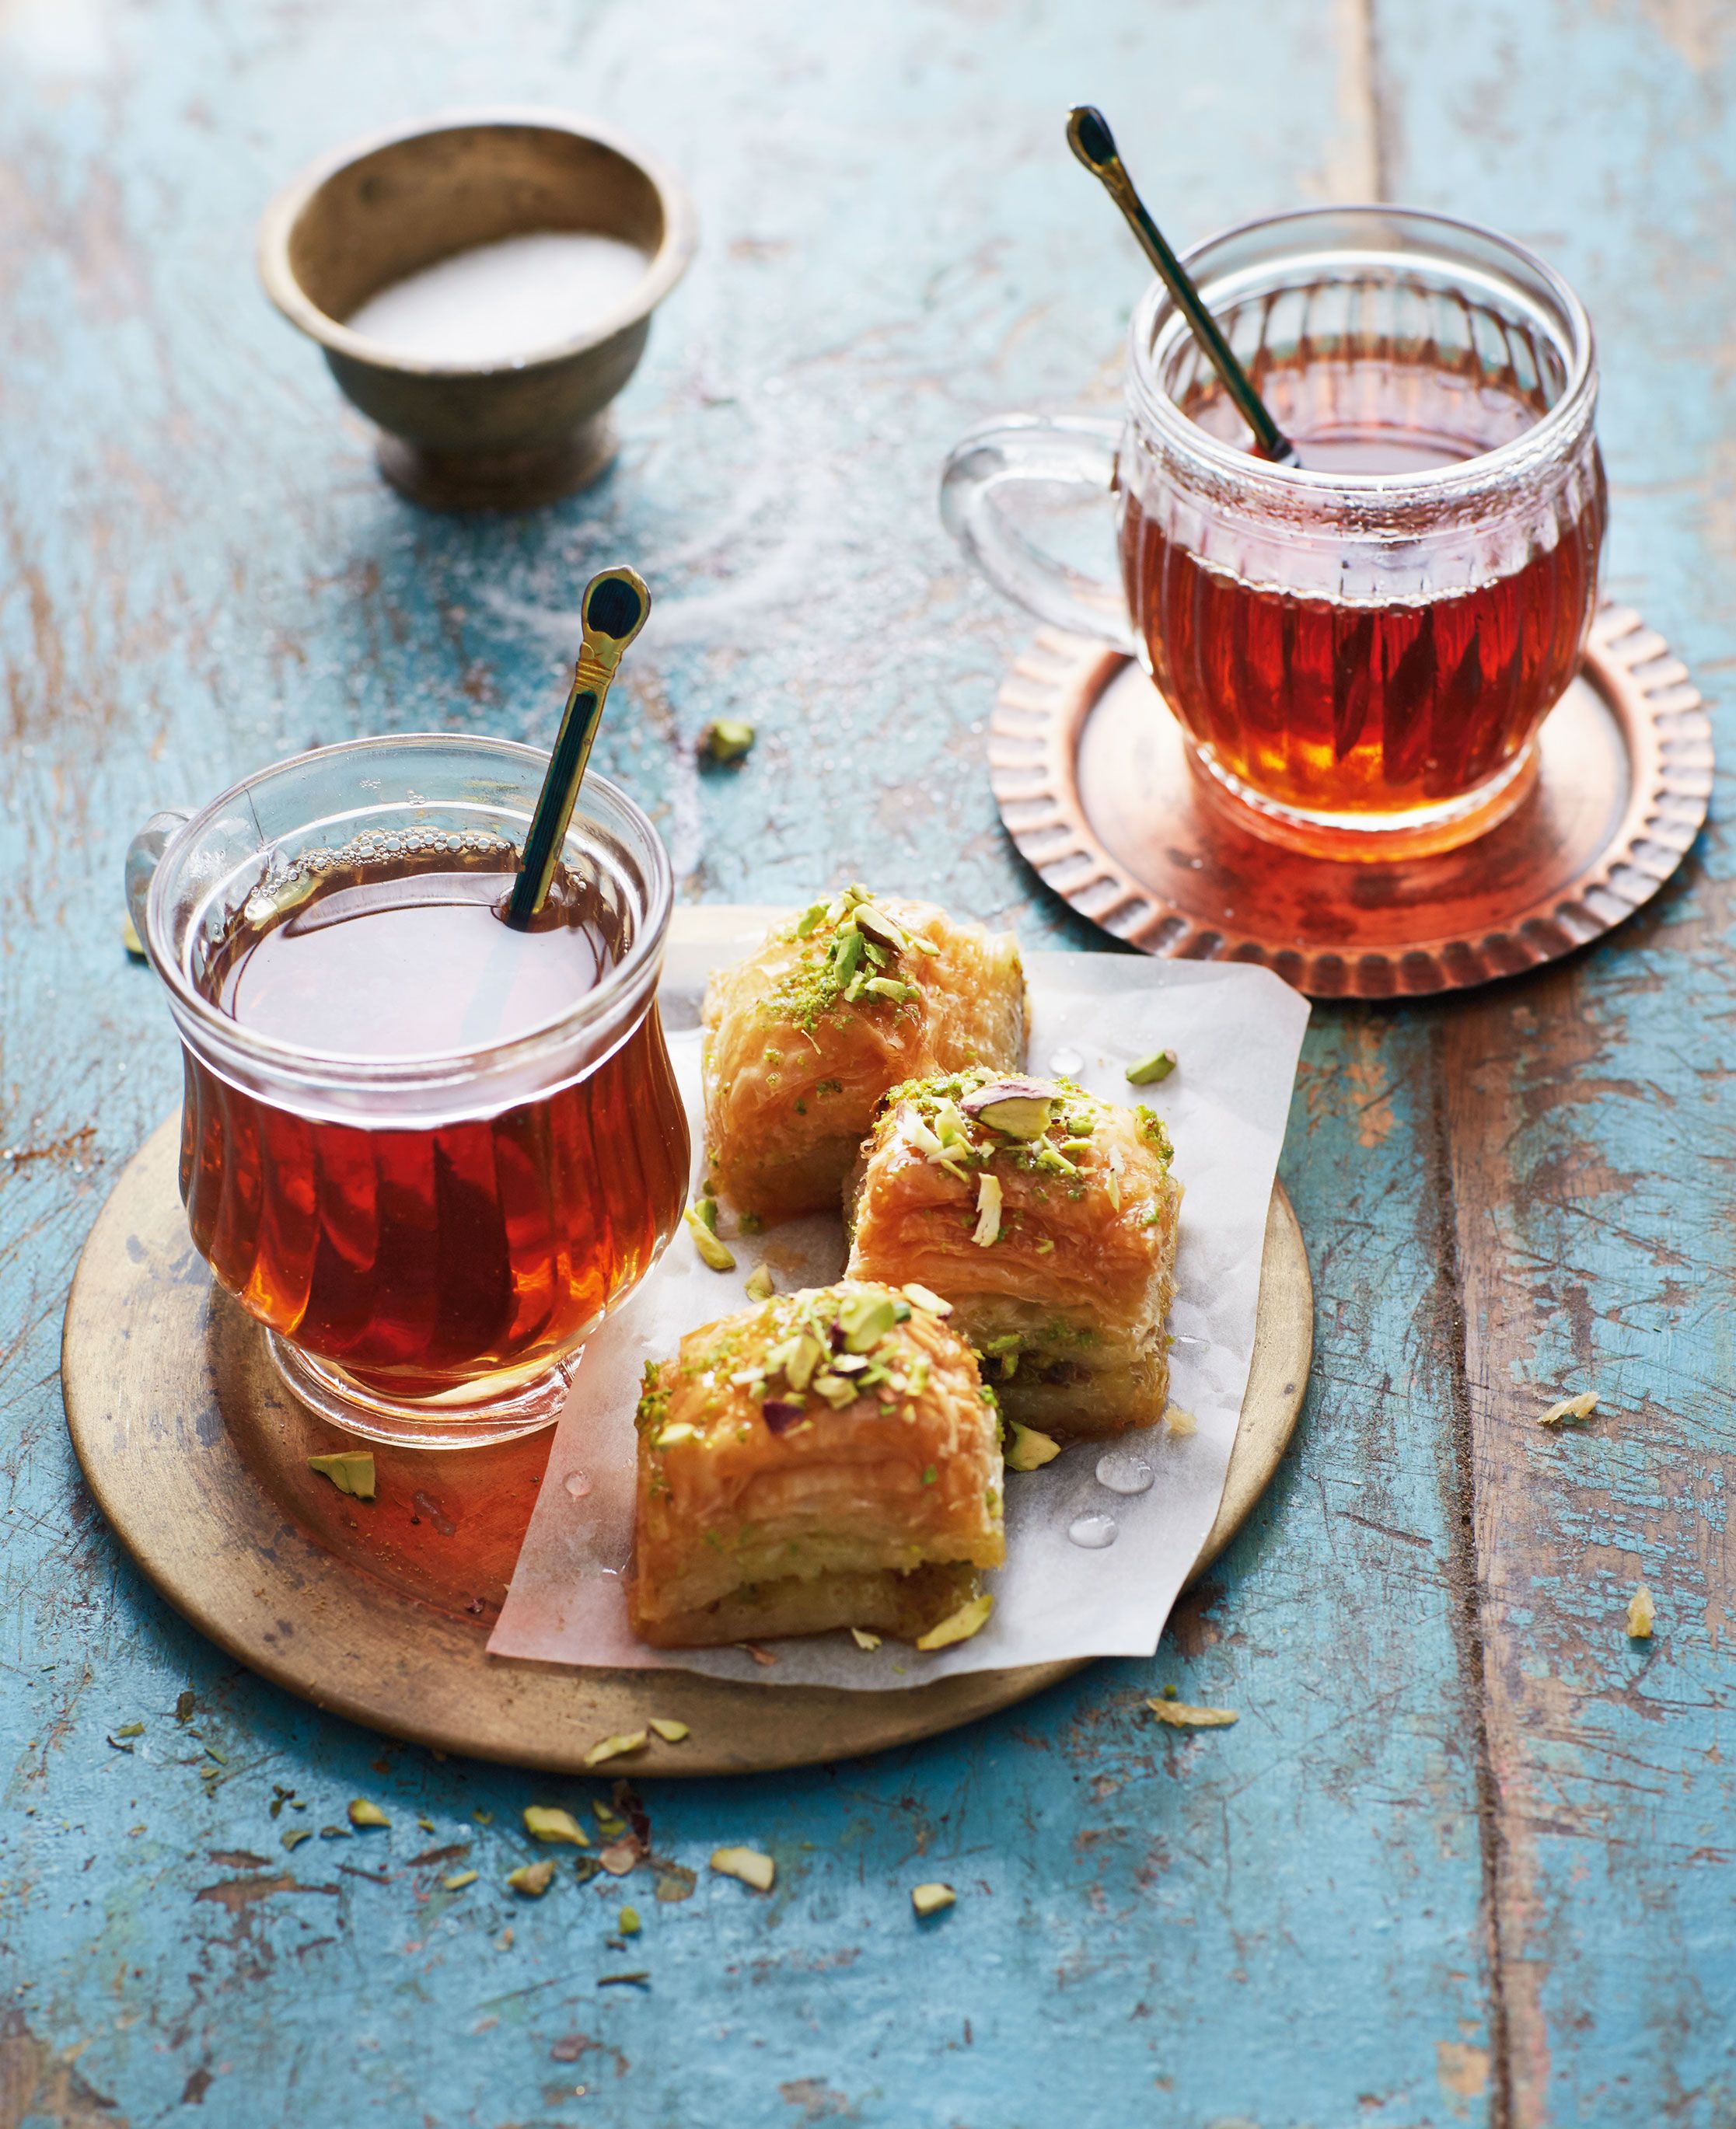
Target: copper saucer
1094 788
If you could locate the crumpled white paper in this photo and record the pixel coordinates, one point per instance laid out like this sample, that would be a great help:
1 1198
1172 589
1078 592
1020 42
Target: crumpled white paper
1236 1031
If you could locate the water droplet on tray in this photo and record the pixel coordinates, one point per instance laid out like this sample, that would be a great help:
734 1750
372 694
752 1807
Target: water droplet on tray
577 1484
1123 1472
1067 1064
1094 1531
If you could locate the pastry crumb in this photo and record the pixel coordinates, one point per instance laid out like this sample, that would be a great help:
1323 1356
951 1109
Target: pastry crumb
547 1823
960 1625
1181 1717
1573 1407
1642 1614
748 1865
615 1747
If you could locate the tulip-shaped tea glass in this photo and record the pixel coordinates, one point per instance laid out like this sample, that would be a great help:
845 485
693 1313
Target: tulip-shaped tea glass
429 1152
1360 648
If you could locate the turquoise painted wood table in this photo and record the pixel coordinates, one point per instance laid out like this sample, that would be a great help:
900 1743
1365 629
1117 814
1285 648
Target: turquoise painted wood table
1467 1856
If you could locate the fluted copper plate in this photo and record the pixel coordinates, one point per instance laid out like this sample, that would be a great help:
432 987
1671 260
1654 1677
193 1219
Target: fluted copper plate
1094 786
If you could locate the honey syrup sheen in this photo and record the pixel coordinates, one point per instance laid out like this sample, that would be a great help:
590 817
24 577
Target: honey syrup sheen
415 1256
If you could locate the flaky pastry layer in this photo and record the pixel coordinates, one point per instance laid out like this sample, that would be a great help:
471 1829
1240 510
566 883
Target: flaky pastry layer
794 1069
784 1476
1067 1298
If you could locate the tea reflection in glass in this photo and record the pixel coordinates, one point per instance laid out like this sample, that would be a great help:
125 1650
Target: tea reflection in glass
1360 648
430 1152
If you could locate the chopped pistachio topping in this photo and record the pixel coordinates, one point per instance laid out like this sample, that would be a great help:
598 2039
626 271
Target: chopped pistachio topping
1149 1070
959 1626
748 1865
1573 1407
629 1924
668 1730
1029 1450
925 1298
867 1641
726 739
803 1355
716 1254
1642 1614
837 1390
987 1232
297 1835
458 1880
930 1899
615 1747
760 1285
1019 1107
130 1730
364 1813
546 1822
870 918
531 1880
864 1318
1181 1717
849 965
350 1470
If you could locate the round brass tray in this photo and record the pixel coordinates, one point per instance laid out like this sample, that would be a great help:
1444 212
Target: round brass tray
1095 789
380 1611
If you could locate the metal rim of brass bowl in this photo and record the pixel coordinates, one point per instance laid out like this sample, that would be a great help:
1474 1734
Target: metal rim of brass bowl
197 1456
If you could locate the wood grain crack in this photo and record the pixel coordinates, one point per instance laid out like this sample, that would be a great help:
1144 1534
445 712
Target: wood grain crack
1450 1344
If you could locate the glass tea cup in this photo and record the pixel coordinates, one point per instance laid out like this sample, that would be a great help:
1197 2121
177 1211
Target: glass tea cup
429 1233
1360 649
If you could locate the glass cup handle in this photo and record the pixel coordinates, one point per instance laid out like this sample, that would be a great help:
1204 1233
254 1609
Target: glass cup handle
1066 450
144 854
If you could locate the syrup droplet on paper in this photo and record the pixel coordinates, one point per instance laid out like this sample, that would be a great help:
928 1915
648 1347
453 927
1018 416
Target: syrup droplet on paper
1123 1472
1066 1064
577 1484
1094 1531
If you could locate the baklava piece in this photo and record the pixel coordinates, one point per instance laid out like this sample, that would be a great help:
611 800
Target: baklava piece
804 1037
829 1459
1047 1218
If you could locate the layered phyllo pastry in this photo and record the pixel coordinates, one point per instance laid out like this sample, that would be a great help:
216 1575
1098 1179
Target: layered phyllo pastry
804 1037
1047 1219
828 1458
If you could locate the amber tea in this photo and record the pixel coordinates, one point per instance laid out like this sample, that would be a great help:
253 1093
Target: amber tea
1360 648
1365 704
418 1260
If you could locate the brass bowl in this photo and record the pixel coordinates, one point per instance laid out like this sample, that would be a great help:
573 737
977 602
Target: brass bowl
509 434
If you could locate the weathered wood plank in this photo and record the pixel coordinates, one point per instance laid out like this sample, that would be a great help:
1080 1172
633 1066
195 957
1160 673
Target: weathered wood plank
1585 1119
1283 1923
